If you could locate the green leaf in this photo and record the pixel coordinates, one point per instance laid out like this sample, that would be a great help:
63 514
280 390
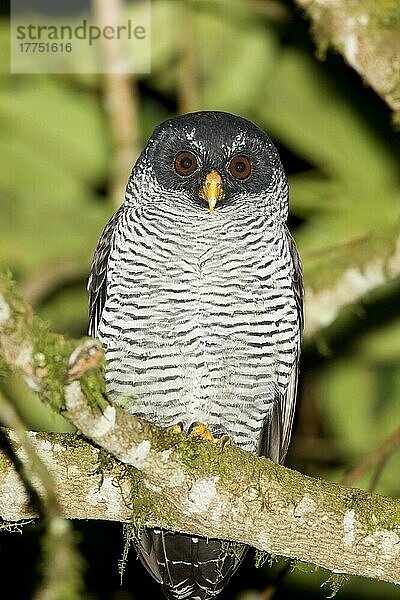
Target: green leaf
307 111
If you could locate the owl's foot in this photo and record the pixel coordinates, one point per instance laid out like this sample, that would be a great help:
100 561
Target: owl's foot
200 430
86 356
177 428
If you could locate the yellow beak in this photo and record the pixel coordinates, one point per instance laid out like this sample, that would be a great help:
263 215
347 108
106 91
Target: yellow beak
212 190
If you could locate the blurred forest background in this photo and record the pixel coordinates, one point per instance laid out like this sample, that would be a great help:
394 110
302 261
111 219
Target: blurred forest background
67 143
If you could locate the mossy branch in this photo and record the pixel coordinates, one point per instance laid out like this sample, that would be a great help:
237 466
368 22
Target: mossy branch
167 479
366 33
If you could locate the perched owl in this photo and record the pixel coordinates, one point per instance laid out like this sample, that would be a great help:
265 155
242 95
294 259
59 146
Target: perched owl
196 294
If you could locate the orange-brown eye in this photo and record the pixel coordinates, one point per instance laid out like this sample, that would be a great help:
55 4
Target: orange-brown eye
240 167
185 163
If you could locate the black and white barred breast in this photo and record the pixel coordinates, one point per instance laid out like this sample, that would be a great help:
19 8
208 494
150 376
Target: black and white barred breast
200 320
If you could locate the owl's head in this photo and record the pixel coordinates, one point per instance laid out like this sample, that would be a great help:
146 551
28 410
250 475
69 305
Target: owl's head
214 161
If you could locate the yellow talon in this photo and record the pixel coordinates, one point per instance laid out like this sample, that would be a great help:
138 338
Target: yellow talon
86 356
177 428
223 441
200 430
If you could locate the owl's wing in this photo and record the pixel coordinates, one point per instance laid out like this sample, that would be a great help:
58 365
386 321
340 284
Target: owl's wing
289 400
277 430
97 283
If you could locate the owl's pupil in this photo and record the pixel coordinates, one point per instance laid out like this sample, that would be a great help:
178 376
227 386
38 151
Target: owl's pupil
186 163
240 167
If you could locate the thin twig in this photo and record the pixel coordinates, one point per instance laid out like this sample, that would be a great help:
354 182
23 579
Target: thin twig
378 472
272 9
345 246
379 454
121 99
188 94
35 288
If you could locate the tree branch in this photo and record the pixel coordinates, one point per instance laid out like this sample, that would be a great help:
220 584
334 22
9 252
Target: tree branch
183 484
366 33
346 274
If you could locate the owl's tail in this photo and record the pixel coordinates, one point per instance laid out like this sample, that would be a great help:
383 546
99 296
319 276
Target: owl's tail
188 567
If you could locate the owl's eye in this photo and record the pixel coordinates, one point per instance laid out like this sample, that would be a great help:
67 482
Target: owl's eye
240 167
185 163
